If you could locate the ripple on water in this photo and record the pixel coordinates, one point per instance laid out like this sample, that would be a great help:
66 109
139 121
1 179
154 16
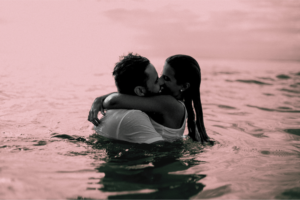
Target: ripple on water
283 76
214 193
253 82
250 128
40 143
281 109
284 108
295 85
290 91
226 107
230 110
269 94
267 78
293 193
293 131
278 152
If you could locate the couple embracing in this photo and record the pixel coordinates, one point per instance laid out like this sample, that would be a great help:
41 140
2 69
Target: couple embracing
150 109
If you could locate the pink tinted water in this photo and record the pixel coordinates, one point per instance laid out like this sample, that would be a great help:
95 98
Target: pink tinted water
57 56
251 109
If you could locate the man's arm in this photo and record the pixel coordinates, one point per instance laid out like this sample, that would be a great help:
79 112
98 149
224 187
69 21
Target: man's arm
97 107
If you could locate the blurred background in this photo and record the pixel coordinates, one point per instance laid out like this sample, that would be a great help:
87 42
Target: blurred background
96 32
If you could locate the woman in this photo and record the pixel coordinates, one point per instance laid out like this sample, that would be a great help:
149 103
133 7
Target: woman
183 69
182 78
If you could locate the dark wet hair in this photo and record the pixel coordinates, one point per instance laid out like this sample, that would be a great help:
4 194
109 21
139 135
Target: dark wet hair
129 72
187 70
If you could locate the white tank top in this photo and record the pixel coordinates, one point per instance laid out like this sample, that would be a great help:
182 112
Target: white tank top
170 134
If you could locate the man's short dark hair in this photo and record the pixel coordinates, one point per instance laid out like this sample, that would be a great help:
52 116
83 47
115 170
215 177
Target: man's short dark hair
129 72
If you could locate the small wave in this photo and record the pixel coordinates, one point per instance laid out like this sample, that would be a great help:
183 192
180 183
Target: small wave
293 193
295 85
283 76
279 153
266 78
293 131
269 94
226 107
127 150
269 152
275 110
284 108
291 91
253 81
40 143
69 137
77 171
239 113
229 73
251 129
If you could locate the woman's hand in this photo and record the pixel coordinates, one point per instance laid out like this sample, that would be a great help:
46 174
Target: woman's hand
97 107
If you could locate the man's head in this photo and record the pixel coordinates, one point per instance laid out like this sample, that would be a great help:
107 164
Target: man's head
135 75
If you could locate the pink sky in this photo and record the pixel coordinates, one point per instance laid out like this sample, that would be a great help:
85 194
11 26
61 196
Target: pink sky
74 32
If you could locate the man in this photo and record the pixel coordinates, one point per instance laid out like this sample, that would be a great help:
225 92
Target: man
134 75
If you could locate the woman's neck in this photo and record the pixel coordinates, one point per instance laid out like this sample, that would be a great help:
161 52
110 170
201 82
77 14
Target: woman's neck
179 97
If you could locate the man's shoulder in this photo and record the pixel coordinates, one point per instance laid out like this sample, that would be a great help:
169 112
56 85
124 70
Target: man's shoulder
123 111
118 114
117 111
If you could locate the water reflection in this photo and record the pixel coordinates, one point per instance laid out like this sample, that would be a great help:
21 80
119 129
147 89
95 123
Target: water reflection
152 168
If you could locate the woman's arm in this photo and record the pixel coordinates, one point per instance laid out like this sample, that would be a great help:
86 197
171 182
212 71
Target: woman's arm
158 104
97 107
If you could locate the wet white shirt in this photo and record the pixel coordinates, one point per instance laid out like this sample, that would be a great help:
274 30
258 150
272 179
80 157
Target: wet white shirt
128 125
135 126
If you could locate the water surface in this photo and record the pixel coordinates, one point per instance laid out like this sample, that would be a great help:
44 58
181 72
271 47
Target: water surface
57 56
251 110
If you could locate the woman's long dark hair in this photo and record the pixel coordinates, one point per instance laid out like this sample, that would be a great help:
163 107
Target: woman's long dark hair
187 70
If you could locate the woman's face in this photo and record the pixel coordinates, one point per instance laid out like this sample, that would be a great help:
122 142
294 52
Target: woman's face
170 83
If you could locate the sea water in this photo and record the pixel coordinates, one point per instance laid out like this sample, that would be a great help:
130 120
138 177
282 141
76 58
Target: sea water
49 150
